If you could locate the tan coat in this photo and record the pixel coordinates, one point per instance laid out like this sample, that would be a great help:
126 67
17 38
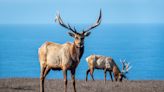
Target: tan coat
104 63
100 62
58 56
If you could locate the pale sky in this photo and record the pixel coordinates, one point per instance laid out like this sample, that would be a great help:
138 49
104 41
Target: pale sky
81 11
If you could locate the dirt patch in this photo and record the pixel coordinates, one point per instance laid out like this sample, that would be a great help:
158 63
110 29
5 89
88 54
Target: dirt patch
52 85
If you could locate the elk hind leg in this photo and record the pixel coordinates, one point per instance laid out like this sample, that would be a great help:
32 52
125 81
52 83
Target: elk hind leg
44 72
42 78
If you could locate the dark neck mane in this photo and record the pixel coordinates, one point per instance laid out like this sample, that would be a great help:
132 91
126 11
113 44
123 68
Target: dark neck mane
81 52
117 70
77 51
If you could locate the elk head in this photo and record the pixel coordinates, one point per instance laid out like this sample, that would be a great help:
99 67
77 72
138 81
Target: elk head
125 68
78 36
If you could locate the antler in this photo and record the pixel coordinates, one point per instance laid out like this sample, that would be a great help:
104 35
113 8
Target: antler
95 24
58 18
125 66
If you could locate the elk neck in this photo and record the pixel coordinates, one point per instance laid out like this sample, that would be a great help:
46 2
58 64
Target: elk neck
116 69
76 52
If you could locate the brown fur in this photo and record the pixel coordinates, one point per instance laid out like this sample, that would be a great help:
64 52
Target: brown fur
63 56
74 55
93 65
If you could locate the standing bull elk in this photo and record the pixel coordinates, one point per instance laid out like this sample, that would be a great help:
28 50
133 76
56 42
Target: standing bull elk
63 56
106 64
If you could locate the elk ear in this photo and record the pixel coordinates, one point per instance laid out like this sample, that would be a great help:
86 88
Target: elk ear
71 34
87 34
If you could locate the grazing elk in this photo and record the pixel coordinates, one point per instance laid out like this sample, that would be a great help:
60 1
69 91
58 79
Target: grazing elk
106 64
63 56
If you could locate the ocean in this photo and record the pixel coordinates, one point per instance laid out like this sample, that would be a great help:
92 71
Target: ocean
140 44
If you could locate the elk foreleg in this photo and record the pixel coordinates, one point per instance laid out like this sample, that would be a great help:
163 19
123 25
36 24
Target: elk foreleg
73 79
87 75
91 73
65 80
115 77
105 75
111 75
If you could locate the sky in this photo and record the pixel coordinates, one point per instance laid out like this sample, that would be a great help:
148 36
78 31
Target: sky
81 11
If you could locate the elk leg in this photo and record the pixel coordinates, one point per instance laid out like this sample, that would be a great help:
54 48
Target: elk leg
111 75
65 80
91 73
87 75
115 77
42 79
73 79
105 75
46 71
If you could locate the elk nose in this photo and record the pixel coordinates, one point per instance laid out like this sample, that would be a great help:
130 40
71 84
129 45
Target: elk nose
81 44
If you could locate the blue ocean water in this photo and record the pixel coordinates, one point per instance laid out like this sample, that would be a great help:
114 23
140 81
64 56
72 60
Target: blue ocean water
140 44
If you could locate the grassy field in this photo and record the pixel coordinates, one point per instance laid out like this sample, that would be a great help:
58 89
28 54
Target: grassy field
53 85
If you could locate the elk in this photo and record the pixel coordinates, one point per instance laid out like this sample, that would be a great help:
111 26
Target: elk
54 56
106 64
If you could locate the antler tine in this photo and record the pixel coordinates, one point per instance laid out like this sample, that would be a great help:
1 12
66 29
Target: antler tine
124 60
127 64
60 21
120 60
128 67
95 24
70 28
123 65
75 29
